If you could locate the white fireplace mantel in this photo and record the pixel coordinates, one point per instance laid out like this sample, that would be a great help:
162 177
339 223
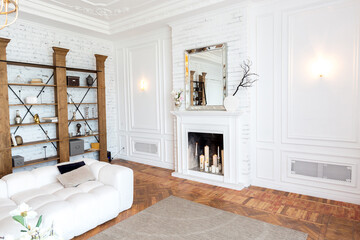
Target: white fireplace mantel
235 136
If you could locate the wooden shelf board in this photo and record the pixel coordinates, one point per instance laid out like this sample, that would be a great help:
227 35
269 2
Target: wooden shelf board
31 84
37 161
80 87
31 124
81 70
36 143
38 104
35 65
81 103
83 120
85 152
83 136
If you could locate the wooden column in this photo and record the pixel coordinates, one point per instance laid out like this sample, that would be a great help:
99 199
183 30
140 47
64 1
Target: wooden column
5 142
59 57
100 66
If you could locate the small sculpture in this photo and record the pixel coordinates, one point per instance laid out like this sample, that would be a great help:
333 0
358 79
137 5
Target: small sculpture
18 117
78 132
36 118
45 158
74 115
90 81
19 140
70 98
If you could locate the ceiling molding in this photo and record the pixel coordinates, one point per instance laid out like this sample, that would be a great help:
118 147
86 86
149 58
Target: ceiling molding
82 17
158 13
60 14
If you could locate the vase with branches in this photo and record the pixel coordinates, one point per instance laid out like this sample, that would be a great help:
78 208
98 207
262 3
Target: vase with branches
231 102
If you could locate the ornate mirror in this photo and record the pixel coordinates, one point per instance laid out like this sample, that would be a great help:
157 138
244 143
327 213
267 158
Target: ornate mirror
205 78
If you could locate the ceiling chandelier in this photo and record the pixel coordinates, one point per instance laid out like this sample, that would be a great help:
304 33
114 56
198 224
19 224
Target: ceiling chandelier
8 7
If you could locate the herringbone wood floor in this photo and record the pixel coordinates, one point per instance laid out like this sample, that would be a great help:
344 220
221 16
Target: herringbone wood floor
320 218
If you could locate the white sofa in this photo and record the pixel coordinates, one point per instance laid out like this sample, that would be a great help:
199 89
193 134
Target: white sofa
74 210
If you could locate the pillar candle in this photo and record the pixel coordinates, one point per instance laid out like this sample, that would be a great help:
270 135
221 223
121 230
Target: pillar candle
215 160
206 164
202 162
206 150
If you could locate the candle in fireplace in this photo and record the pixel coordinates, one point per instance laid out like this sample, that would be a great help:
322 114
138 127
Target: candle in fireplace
206 150
215 160
202 162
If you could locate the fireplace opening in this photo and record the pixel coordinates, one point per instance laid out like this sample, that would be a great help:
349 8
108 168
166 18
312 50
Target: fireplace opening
206 152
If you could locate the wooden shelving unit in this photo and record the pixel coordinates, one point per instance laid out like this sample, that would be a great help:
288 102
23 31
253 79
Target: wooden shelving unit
82 120
84 136
31 124
37 104
60 95
36 143
31 85
82 87
37 161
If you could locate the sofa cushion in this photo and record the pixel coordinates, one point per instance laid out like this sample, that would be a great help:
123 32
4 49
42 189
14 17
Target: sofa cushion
70 167
45 175
76 177
19 182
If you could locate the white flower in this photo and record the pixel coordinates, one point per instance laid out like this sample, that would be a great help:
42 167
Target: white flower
24 210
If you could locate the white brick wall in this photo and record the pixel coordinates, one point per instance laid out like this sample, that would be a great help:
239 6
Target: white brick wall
31 42
228 26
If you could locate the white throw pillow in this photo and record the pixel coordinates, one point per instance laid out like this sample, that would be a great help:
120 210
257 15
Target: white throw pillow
76 177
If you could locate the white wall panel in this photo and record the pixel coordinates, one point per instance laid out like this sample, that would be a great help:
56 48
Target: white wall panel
265 68
144 110
322 108
300 116
265 163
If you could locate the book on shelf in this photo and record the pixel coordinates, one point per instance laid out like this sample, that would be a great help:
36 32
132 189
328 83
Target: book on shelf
36 81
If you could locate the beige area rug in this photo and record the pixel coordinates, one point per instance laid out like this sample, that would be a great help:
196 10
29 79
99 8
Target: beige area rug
178 219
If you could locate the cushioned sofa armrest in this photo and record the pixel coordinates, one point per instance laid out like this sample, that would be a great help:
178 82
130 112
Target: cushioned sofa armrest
122 179
3 189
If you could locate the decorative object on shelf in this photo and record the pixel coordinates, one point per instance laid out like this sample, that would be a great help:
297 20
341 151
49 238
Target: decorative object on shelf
18 79
13 140
36 81
50 119
90 81
31 100
78 131
9 8
19 140
17 161
93 112
18 118
36 118
45 157
70 98
73 81
74 115
76 147
177 97
86 112
95 146
231 102
91 132
85 130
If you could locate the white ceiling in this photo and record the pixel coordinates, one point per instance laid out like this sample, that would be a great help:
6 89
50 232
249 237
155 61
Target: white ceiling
111 16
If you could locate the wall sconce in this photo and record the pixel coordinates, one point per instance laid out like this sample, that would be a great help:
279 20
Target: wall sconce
143 85
322 67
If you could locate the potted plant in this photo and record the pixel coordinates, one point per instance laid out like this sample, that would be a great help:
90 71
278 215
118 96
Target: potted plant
231 103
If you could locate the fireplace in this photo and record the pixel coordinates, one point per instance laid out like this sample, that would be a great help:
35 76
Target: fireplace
206 152
218 133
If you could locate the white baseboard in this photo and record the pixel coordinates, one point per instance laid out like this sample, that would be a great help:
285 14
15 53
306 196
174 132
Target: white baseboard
314 192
